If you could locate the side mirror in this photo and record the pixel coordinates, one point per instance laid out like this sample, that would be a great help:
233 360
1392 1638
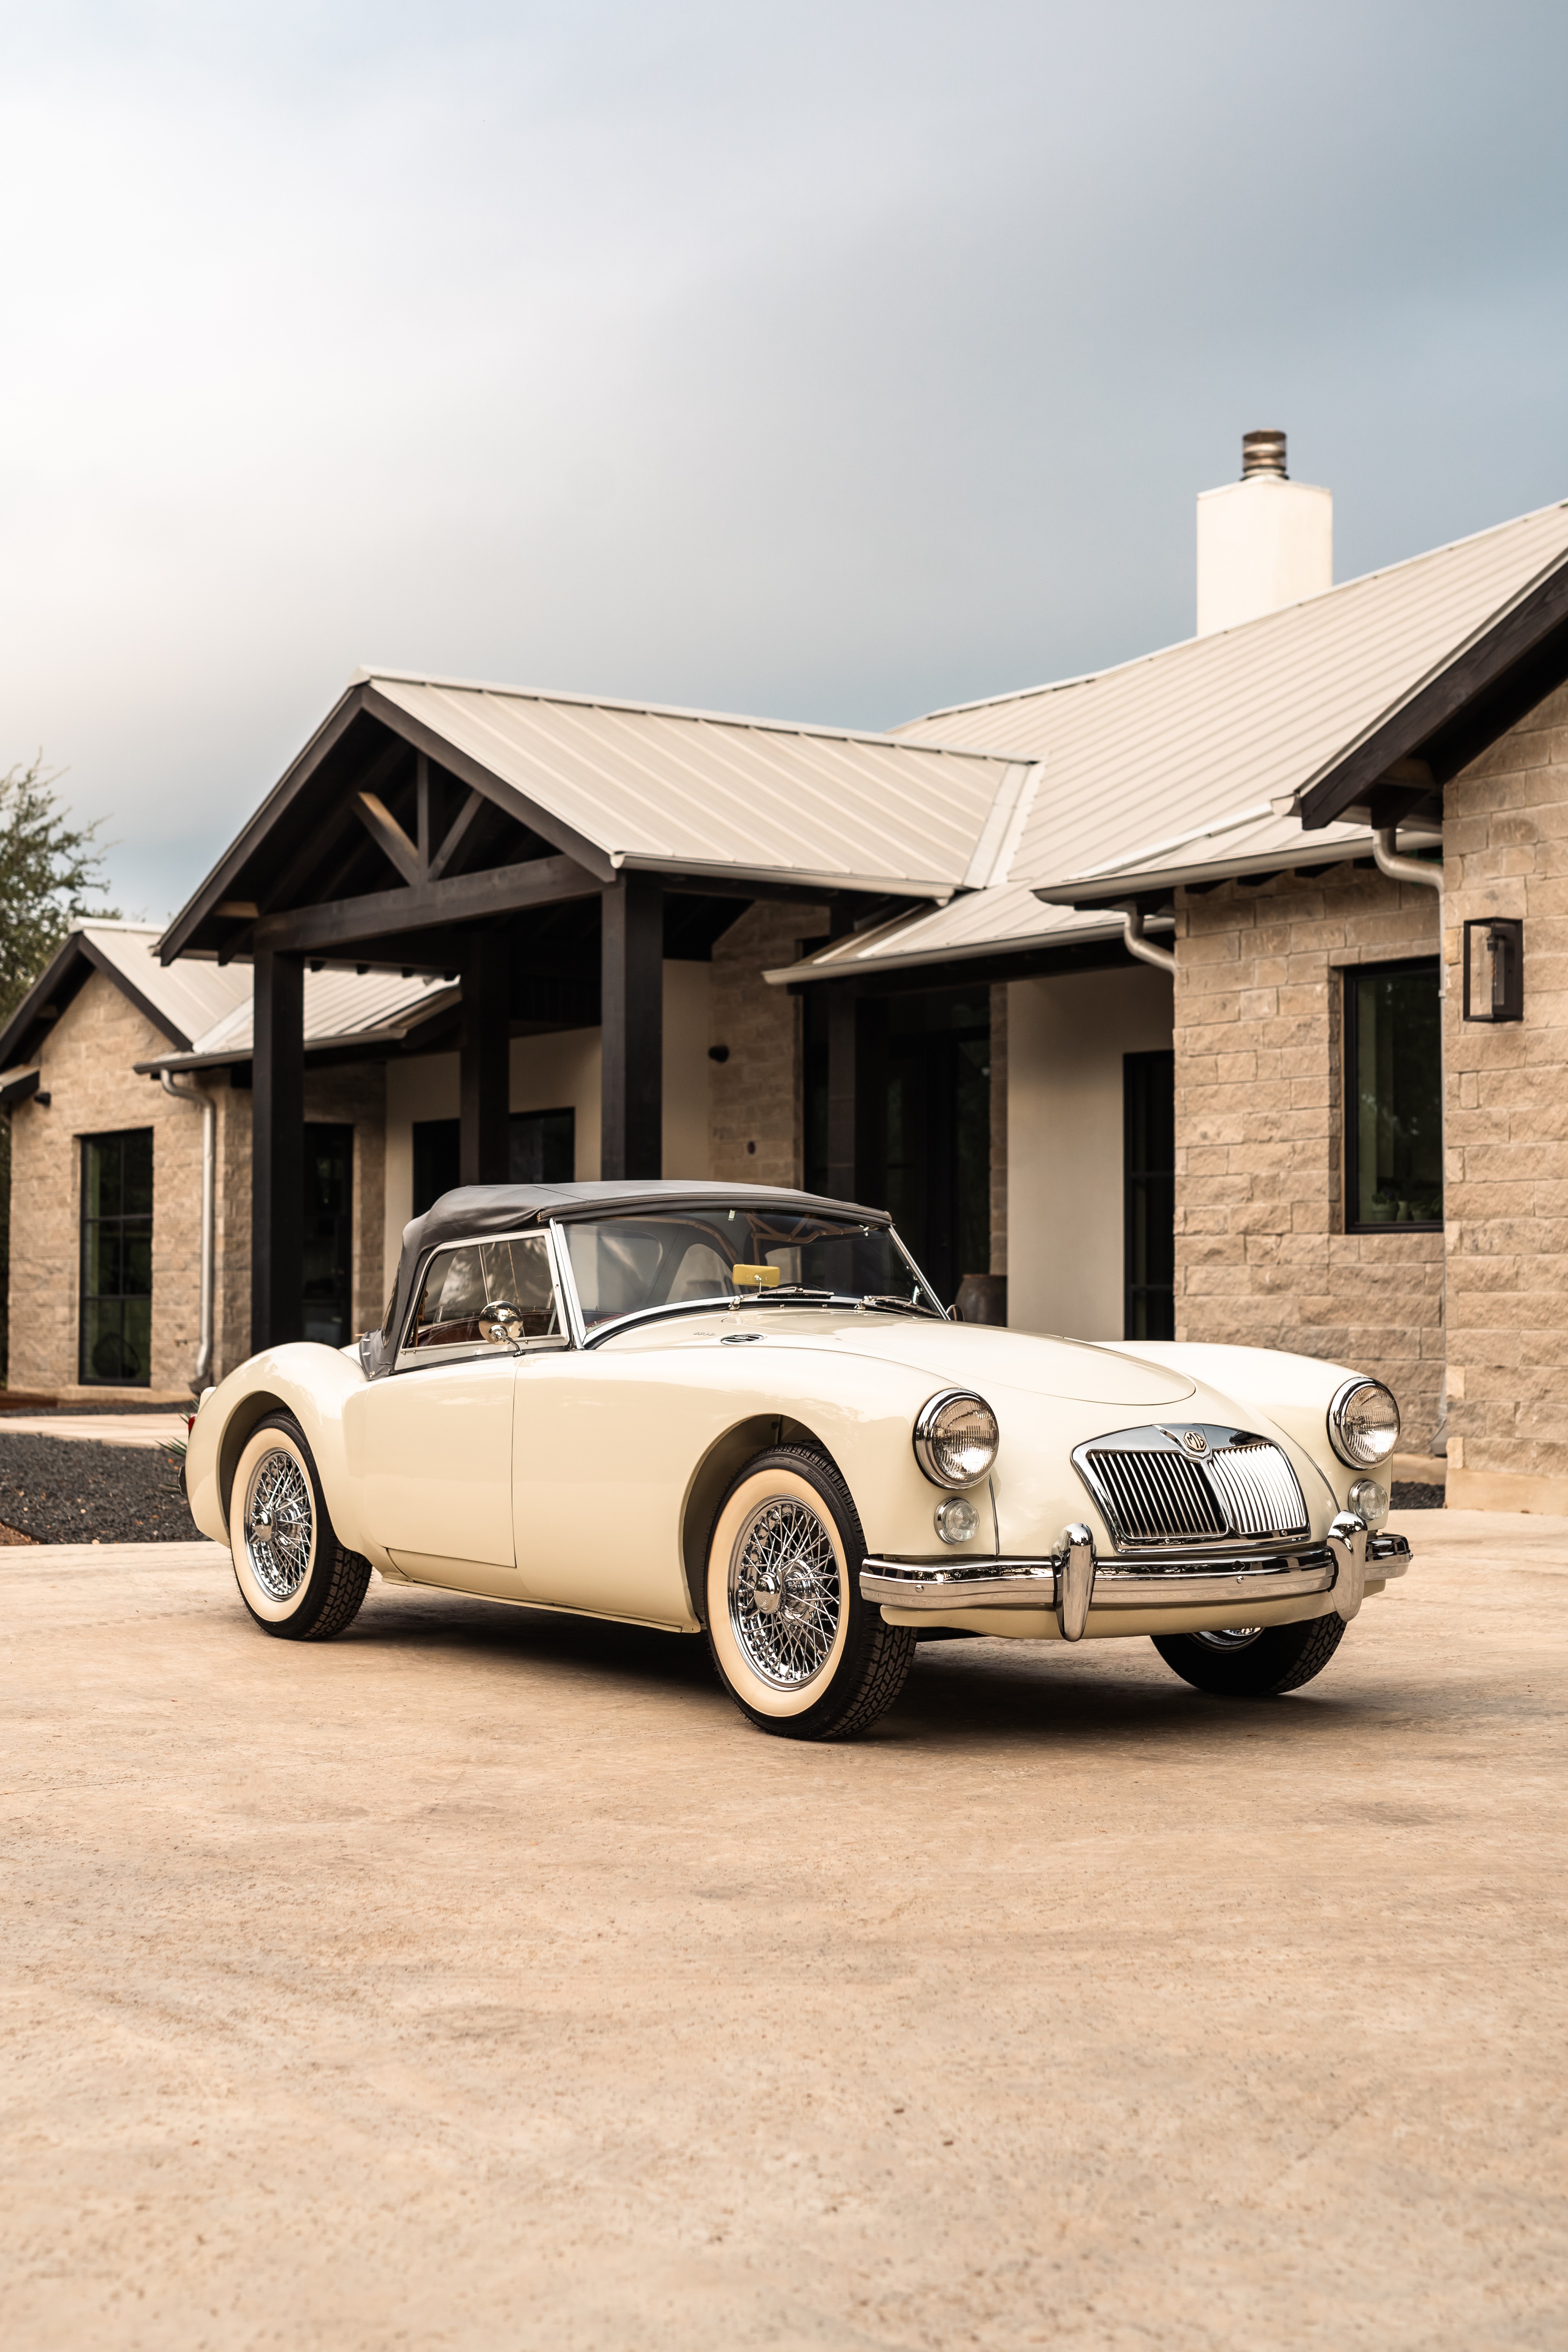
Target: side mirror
501 1324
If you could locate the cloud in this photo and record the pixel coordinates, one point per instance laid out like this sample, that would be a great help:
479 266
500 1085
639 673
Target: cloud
838 361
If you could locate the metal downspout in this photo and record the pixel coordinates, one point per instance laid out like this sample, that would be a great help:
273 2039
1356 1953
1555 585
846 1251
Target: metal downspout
208 1107
1399 868
1144 949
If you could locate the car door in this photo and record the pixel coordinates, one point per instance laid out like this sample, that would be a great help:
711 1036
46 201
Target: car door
435 1437
606 1443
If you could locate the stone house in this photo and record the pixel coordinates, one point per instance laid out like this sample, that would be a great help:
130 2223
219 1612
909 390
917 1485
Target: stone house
1212 997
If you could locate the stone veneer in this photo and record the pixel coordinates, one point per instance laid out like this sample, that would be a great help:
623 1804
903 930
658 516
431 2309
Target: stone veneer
1505 843
87 1070
1263 1258
86 1065
757 1109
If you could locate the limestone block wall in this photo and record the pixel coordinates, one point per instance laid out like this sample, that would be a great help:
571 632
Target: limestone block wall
86 1065
755 1094
1505 843
87 1071
1263 1258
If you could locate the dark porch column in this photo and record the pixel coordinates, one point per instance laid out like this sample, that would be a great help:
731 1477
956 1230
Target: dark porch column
484 1062
631 1135
857 1097
277 1151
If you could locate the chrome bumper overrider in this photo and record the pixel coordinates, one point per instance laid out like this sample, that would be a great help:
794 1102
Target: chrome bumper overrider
1074 1580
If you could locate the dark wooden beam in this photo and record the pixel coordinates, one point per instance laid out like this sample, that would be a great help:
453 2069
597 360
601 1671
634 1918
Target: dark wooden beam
456 833
484 1061
631 1035
278 1152
1468 704
464 899
473 772
389 837
422 814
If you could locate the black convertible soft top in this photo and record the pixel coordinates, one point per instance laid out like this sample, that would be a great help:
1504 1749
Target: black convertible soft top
474 1209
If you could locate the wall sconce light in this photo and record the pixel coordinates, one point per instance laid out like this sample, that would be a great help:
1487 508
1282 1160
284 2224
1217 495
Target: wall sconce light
1494 968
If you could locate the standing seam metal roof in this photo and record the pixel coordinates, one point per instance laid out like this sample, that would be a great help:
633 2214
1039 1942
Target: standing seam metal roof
689 792
1167 765
1201 731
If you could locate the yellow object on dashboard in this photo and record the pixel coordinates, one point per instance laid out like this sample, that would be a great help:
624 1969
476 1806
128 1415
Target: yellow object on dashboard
756 1277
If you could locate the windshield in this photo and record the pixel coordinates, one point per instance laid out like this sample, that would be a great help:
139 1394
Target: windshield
624 1264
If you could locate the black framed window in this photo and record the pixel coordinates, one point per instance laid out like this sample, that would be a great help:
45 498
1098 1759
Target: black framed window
115 1347
1149 1194
329 1234
1393 1095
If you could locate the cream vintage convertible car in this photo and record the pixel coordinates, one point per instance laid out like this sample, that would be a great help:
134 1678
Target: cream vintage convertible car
719 1409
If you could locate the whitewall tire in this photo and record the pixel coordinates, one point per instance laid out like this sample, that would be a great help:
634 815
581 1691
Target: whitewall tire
294 1576
797 1648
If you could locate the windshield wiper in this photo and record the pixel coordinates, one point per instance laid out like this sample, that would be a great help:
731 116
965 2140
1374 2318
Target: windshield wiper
904 1305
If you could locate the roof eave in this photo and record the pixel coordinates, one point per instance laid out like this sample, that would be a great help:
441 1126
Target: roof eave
1524 647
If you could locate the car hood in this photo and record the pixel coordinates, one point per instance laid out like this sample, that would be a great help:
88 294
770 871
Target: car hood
967 1355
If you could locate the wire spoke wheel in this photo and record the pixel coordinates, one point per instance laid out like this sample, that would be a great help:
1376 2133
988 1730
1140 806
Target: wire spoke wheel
279 1524
786 1598
1232 1637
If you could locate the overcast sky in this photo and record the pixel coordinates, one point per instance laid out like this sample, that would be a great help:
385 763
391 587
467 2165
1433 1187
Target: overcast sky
835 360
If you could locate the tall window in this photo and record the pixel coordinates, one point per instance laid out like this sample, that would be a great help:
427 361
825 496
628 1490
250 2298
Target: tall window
1149 1194
1394 1096
329 1234
116 1337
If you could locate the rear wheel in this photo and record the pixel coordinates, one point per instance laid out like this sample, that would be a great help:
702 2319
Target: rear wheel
1253 1662
797 1648
296 1579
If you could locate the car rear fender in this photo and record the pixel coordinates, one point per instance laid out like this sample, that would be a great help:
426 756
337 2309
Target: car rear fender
305 1380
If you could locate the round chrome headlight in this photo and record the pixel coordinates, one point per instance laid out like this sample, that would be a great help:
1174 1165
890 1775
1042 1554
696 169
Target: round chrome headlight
1364 1423
955 1438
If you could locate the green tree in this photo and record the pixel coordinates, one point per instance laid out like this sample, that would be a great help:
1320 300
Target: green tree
50 872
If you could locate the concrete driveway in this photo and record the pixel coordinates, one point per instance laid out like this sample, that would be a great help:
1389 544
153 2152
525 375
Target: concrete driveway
483 1981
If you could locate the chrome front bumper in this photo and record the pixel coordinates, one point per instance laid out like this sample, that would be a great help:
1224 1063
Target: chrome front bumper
1075 1579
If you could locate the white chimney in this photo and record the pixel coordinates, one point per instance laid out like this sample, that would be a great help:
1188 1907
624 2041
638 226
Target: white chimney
1263 542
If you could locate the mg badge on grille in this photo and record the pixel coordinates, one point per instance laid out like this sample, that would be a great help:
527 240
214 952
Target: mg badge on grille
1194 1441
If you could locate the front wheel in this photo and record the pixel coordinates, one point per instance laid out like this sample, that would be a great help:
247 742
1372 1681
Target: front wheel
1253 1662
296 1579
797 1648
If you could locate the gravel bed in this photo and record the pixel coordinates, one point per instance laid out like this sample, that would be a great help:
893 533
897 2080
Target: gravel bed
1414 1495
69 1490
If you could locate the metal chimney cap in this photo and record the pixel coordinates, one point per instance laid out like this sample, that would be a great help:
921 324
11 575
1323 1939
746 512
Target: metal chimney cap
1263 453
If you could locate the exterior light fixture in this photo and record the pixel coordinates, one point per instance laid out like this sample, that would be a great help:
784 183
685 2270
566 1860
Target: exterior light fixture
1494 968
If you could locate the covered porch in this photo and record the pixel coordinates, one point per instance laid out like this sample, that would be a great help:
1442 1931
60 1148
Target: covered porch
556 858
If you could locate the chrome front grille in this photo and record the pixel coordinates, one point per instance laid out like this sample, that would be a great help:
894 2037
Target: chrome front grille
1193 1484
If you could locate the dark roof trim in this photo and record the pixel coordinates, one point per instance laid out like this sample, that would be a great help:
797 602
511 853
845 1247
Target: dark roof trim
16 1086
364 698
59 982
1474 698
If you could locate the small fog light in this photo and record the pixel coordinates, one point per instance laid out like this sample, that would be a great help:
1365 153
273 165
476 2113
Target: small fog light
1371 1500
957 1519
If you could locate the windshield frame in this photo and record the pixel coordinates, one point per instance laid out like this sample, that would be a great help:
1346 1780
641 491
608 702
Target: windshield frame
585 1335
